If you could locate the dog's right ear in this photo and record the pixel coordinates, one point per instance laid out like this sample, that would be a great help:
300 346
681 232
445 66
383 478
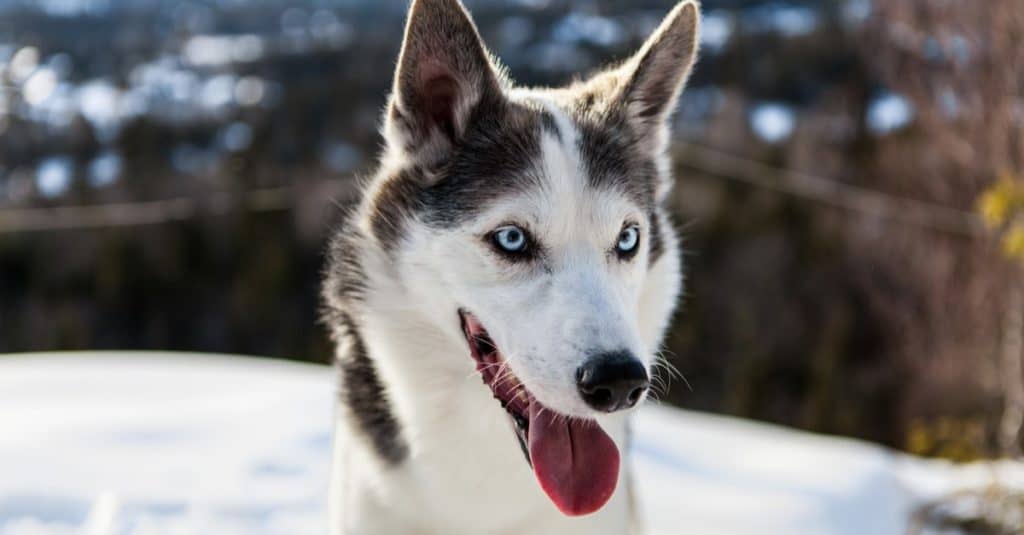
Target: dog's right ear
444 74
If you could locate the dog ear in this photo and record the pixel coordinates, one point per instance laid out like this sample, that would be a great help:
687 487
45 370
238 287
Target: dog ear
650 82
444 73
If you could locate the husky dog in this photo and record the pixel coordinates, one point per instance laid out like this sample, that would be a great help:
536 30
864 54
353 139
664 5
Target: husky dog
499 293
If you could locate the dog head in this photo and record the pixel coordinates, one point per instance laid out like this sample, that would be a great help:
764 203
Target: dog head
528 222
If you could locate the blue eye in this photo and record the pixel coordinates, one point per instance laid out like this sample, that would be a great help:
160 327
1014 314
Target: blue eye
628 240
511 239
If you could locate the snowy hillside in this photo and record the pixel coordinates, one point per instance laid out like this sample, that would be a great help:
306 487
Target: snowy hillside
128 443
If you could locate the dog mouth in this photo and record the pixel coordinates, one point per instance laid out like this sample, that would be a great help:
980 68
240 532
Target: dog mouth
574 460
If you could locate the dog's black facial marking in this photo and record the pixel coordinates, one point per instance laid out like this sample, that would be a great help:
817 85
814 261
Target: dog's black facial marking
494 158
398 199
365 396
615 158
655 238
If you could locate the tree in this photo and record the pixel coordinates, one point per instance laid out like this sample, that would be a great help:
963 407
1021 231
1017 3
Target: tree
961 64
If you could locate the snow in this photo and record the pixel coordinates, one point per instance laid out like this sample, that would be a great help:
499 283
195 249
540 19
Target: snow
888 113
53 177
716 29
772 121
161 443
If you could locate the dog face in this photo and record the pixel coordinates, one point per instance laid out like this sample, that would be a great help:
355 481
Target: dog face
527 222
549 274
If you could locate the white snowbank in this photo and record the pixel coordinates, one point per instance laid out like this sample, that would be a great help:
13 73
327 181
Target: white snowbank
132 443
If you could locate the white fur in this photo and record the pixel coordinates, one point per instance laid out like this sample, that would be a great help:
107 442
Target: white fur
465 472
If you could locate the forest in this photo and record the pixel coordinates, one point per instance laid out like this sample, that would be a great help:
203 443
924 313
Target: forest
850 188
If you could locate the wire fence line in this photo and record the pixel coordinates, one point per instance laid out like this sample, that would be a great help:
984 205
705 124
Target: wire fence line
142 213
914 212
711 161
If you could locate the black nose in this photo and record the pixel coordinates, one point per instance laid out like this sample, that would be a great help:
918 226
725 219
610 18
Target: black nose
612 381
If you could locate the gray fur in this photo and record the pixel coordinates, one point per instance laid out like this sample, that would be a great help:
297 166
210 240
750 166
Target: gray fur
363 394
361 391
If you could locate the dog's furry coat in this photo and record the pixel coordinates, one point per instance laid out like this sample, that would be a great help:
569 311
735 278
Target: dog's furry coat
421 445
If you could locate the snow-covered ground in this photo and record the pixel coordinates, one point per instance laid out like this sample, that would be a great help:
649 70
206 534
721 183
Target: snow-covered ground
157 443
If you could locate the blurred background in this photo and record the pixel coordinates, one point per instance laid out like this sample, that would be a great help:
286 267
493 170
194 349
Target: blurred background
850 189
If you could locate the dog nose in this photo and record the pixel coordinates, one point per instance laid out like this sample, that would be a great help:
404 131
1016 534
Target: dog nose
612 381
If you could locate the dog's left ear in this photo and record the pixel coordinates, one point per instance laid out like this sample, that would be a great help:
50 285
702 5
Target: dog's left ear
444 74
650 82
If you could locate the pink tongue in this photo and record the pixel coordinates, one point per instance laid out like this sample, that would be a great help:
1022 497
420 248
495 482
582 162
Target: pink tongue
576 462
